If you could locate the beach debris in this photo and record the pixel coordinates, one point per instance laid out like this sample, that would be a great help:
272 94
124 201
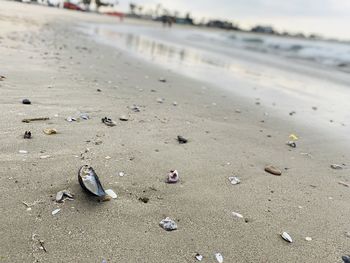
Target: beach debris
219 258
50 131
292 113
314 107
26 101
168 224
45 156
144 199
273 170
181 139
38 243
111 193
173 177
162 79
108 157
293 137
70 119
238 111
286 237
160 100
174 103
234 180
199 257
135 108
29 205
347 234
238 215
84 116
2 77
121 174
63 195
98 90
308 238
54 212
336 166
90 182
346 258
291 144
27 135
123 118
23 151
36 119
108 121
344 184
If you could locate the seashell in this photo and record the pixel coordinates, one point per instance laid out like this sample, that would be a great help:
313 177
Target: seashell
27 135
160 100
168 224
336 166
111 193
234 180
61 195
286 237
273 170
108 121
44 156
199 257
174 103
23 151
162 79
308 238
90 182
219 258
54 212
346 258
84 116
70 119
50 131
291 144
173 177
123 118
237 215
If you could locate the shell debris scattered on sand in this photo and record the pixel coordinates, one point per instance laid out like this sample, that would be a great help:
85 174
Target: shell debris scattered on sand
90 182
287 237
108 121
50 131
308 238
23 151
219 258
199 257
173 177
238 215
273 170
168 224
54 212
111 193
234 180
63 195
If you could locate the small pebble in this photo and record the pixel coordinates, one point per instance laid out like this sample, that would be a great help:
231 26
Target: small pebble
26 101
273 170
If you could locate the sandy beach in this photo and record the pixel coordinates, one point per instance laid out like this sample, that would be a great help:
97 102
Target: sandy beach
64 72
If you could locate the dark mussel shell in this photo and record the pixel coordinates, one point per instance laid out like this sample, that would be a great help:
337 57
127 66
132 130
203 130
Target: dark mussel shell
90 182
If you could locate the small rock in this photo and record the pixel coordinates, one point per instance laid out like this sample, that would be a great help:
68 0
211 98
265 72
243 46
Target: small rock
292 113
181 139
314 108
26 101
162 80
50 131
98 90
144 199
168 224
174 103
273 170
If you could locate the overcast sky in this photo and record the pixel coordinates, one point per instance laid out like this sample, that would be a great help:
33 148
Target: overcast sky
327 17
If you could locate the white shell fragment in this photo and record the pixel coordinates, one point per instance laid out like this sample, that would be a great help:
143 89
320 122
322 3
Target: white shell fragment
45 156
286 237
168 224
234 180
219 258
23 151
54 212
308 238
237 215
199 257
62 195
111 193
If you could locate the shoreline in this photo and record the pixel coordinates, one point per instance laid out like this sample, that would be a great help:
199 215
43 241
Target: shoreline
61 79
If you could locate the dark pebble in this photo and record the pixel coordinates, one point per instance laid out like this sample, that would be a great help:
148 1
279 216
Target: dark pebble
26 101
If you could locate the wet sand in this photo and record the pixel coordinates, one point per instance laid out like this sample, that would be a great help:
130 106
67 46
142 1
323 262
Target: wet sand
60 69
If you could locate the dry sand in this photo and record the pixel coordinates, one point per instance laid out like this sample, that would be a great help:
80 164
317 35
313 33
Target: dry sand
59 69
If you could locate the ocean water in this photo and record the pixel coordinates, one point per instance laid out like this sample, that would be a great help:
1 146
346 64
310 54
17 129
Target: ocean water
288 72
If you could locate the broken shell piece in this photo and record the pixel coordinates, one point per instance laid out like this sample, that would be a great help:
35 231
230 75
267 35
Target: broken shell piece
90 182
346 258
160 100
174 103
26 101
27 135
162 79
181 139
70 119
108 121
173 177
123 118
23 151
219 258
168 224
199 257
336 166
273 170
286 237
308 238
62 195
293 137
111 193
135 108
234 180
291 144
54 212
237 215
84 116
44 156
50 131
